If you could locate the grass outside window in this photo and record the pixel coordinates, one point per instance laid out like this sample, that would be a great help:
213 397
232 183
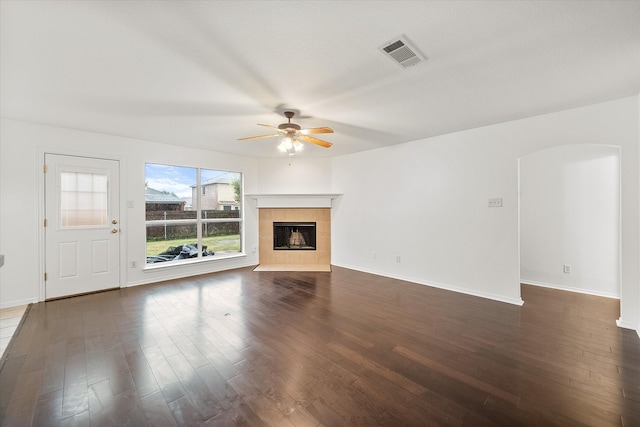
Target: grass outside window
230 243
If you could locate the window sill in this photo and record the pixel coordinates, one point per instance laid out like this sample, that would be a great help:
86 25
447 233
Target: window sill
190 261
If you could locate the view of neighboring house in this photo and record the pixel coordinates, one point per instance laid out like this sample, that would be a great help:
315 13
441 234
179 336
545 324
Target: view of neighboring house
162 201
218 193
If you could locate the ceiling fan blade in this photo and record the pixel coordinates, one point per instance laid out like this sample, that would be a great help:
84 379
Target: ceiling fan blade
269 126
316 130
258 137
316 141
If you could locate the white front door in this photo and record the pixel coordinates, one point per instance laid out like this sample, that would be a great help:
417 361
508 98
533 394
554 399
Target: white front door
82 225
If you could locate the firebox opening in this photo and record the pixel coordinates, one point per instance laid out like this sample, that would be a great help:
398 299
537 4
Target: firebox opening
294 236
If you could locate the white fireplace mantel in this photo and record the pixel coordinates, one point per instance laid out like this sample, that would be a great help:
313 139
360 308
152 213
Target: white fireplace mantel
293 200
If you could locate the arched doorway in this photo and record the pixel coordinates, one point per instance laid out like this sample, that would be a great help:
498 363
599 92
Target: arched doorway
569 218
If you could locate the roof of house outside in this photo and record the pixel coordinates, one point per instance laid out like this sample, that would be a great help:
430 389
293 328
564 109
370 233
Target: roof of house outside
156 196
226 178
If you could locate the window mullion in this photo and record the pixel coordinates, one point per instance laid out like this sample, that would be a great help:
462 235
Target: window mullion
199 212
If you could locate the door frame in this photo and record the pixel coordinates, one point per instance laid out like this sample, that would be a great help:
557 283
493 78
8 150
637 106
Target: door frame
42 152
618 231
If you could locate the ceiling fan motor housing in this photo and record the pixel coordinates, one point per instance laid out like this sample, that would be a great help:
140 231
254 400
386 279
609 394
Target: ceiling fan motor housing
287 126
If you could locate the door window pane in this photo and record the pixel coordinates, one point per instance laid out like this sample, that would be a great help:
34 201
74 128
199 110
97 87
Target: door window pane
83 199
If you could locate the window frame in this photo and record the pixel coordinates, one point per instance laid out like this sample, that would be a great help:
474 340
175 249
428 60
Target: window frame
199 221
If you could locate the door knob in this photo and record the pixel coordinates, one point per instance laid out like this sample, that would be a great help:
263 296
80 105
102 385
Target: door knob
114 230
114 221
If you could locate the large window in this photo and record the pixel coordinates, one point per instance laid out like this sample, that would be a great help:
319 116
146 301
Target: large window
185 221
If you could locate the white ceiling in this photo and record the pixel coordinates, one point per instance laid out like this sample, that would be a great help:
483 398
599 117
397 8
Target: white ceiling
204 73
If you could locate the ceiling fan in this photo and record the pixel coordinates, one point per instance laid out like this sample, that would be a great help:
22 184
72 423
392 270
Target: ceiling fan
292 134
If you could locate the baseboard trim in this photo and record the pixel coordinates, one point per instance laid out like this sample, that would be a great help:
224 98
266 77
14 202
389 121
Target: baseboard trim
181 275
466 291
18 303
627 325
569 289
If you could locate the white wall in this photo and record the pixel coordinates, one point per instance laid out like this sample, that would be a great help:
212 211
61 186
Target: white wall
21 153
427 202
298 175
570 215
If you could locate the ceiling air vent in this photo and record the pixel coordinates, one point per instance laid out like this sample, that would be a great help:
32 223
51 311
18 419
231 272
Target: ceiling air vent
402 52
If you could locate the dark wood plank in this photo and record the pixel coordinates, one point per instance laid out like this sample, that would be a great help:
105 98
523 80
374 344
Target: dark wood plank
157 411
244 348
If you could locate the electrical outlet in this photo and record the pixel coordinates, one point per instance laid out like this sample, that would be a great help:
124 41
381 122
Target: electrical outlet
567 269
398 259
134 264
495 203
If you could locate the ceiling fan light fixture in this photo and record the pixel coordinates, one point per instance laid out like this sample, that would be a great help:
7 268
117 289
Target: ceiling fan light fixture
291 134
287 142
290 145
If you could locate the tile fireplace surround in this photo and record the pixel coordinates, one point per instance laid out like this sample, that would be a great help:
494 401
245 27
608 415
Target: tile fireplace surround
294 208
295 258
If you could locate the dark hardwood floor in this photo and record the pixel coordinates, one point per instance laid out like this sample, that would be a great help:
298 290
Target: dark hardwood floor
304 349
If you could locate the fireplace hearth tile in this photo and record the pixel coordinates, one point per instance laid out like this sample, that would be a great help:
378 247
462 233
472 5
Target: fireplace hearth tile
290 267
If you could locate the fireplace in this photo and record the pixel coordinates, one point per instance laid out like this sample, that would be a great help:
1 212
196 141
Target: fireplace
296 236
286 258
